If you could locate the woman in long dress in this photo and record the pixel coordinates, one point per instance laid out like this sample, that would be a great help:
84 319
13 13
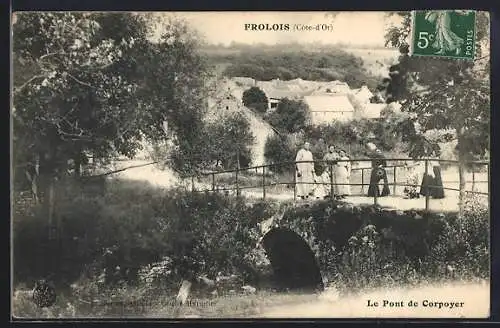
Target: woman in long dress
445 39
427 181
304 171
438 190
432 182
343 172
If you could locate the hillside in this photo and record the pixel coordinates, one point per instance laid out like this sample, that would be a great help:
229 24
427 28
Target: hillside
356 67
375 61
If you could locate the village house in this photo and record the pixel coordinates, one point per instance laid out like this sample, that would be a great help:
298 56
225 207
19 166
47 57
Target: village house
326 109
315 92
276 90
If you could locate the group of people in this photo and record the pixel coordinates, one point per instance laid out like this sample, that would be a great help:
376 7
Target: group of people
336 175
430 184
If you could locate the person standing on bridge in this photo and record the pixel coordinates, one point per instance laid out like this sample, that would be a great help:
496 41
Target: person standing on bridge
432 182
330 159
343 172
304 171
378 172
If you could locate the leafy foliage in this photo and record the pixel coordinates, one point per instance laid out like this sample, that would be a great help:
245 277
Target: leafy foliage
289 116
256 99
229 140
279 150
432 89
95 84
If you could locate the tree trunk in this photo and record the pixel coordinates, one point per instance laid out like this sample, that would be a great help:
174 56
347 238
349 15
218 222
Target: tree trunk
461 197
47 186
78 165
461 174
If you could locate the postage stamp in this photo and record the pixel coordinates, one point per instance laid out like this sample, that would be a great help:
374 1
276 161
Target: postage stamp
250 165
444 33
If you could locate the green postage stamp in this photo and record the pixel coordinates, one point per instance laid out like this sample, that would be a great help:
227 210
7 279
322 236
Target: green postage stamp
444 33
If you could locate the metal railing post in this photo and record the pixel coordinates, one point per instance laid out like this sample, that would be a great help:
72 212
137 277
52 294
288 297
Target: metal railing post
362 180
473 179
237 184
331 183
192 183
213 182
264 182
295 182
394 182
426 186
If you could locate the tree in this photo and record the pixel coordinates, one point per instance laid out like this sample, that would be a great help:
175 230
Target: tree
229 141
443 94
256 99
290 115
279 150
95 83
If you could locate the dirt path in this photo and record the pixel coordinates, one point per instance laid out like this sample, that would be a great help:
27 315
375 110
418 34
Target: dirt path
456 301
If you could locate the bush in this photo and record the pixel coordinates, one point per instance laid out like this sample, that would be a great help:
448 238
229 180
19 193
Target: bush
363 246
229 140
132 227
290 115
278 150
136 235
255 98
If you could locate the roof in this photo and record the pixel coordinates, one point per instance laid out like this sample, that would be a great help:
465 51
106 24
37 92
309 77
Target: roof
363 92
243 80
282 89
329 103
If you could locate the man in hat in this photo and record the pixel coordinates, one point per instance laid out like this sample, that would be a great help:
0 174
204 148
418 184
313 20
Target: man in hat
304 171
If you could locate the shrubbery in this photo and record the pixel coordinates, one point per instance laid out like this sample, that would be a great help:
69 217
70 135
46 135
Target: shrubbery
136 235
132 226
362 246
278 150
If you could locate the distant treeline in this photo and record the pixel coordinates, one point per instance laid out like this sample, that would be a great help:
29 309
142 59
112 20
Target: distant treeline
274 62
235 46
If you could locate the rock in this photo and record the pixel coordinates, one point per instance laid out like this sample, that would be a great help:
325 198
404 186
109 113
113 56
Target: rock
249 289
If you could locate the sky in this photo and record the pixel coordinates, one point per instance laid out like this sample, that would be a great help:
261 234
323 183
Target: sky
356 28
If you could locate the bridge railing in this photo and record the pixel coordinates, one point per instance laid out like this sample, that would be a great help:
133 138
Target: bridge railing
264 174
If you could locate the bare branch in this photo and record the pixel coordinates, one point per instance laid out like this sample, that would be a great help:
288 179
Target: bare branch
79 81
18 89
121 170
51 54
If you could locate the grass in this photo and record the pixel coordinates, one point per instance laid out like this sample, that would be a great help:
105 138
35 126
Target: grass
234 306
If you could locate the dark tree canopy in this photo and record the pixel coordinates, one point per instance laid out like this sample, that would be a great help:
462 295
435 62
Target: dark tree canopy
290 115
96 84
256 99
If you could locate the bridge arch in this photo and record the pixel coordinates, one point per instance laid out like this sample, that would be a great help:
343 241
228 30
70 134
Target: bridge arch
294 263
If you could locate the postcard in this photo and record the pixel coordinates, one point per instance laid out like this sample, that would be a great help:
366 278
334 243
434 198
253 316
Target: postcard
228 165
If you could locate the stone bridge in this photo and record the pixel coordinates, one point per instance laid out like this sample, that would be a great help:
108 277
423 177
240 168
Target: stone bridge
299 236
